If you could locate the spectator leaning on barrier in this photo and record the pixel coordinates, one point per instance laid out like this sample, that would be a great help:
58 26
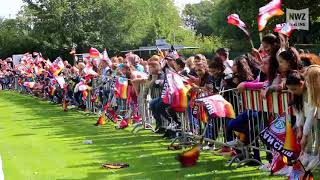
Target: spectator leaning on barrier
223 53
270 44
310 137
216 70
205 79
240 124
306 120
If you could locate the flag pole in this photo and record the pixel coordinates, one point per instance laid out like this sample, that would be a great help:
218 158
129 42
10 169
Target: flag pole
251 42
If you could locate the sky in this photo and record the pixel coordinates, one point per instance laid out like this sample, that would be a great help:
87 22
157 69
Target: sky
9 8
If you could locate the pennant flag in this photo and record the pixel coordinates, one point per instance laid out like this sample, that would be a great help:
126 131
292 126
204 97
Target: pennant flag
49 63
84 95
123 124
111 114
203 116
38 70
52 90
57 66
279 136
122 88
217 106
82 86
94 96
175 92
88 70
160 53
102 119
29 84
115 165
35 54
105 57
94 53
173 52
277 163
38 57
290 144
139 75
190 157
284 28
268 11
61 81
96 62
234 19
27 57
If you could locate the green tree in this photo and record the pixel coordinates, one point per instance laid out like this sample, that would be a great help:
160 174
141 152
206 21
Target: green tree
115 24
215 20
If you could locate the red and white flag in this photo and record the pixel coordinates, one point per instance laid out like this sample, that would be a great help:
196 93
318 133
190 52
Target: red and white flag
139 75
57 66
234 19
266 12
284 28
105 57
88 70
61 81
29 84
94 53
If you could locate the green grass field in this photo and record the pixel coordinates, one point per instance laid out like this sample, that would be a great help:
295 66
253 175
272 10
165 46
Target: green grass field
40 142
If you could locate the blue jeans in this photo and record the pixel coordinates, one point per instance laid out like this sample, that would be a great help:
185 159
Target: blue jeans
241 124
158 108
154 107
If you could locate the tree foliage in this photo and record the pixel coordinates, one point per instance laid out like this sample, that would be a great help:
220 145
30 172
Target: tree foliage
210 16
53 27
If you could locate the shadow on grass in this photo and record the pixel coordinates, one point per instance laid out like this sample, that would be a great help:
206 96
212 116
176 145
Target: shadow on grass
146 153
24 134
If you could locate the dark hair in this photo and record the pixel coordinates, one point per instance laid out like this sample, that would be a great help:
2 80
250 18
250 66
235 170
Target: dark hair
223 52
270 39
253 66
199 56
217 63
294 78
292 58
180 62
245 73
273 65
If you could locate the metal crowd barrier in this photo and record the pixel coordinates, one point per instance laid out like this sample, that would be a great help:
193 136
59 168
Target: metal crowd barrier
143 102
250 100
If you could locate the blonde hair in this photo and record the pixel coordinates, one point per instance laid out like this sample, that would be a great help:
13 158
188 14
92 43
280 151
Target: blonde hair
154 58
312 76
190 62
